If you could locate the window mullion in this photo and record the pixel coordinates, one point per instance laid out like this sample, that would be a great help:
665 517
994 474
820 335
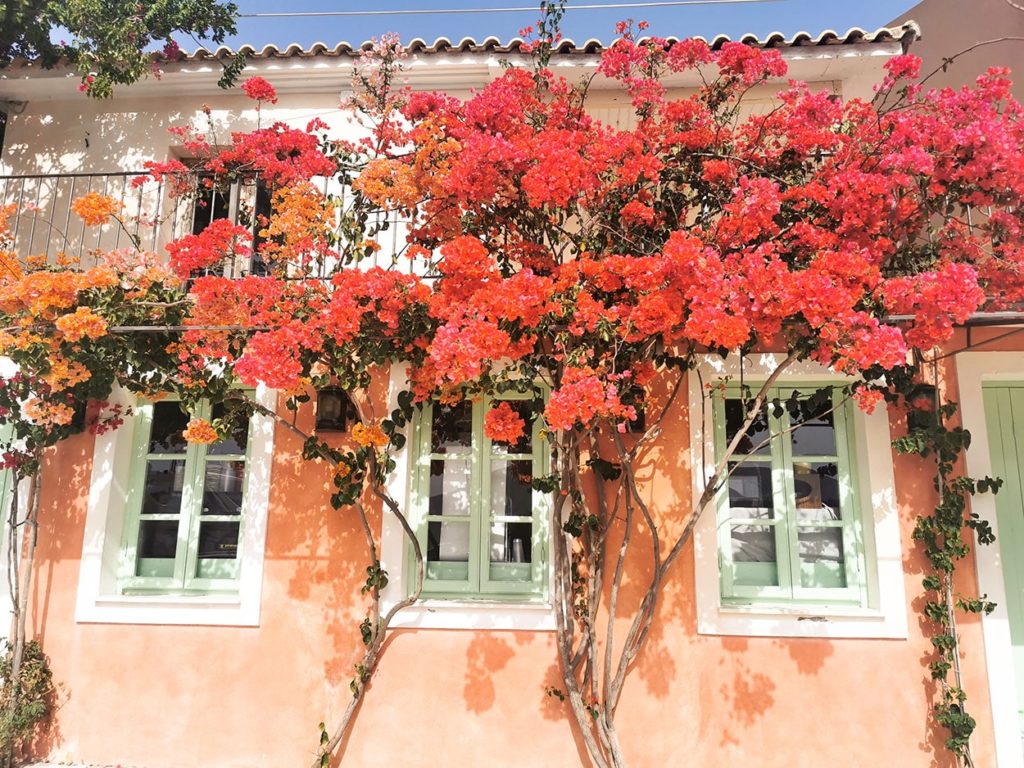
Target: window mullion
787 562
479 528
130 541
420 501
722 511
541 514
191 507
853 544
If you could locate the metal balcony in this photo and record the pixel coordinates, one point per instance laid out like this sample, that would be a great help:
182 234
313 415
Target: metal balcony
45 225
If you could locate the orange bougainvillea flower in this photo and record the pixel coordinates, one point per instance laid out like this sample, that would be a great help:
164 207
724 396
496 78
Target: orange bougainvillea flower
200 431
81 323
64 374
369 435
45 414
503 424
94 208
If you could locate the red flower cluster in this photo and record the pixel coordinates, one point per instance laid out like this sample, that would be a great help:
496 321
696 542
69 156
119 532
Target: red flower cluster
502 424
219 242
583 396
258 89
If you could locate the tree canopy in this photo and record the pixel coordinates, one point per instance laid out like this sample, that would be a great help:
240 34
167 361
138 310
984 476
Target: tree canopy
111 42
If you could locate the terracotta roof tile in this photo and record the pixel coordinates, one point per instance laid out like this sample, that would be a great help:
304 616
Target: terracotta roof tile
905 34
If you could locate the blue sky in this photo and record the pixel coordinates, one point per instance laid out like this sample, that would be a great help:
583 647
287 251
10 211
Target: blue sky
760 18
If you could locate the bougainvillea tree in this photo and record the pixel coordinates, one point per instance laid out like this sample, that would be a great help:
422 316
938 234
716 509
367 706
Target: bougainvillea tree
558 257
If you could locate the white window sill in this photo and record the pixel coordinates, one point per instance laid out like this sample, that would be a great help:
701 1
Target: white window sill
475 614
198 610
799 621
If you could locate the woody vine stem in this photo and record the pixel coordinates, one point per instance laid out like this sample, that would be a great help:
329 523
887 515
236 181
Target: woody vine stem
944 534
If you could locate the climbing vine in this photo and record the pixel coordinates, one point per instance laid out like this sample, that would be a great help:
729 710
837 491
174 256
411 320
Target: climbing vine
944 535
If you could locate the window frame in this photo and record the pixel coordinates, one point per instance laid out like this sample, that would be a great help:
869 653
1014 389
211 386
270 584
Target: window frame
885 613
479 585
534 615
190 517
786 525
100 598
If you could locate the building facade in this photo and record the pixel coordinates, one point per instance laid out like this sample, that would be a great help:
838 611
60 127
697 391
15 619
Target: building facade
201 606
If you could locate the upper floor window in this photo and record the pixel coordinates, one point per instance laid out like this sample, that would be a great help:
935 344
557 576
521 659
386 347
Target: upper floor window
244 201
185 506
482 528
790 521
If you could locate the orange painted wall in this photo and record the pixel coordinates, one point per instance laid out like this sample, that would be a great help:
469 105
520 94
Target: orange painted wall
163 697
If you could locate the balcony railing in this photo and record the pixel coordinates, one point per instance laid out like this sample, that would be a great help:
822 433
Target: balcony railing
45 225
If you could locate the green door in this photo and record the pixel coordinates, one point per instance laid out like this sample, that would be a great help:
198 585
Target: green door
1004 414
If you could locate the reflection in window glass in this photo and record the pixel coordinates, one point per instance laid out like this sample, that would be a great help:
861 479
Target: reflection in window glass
821 545
161 494
449 487
511 543
750 487
158 538
222 487
511 490
448 542
753 544
452 427
816 487
237 442
165 434
815 435
218 540
756 438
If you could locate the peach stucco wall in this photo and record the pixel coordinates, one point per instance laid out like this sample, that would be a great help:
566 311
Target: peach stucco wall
162 696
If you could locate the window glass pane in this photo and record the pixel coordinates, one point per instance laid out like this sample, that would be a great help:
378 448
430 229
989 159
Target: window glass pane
452 427
158 538
817 491
212 202
511 491
222 487
161 494
756 436
237 442
165 433
448 542
750 490
449 487
820 545
753 544
524 408
814 434
510 542
218 540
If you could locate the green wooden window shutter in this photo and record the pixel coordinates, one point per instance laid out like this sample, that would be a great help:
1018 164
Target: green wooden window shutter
185 505
789 518
482 528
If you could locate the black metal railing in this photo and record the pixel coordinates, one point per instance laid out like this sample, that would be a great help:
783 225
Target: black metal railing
46 226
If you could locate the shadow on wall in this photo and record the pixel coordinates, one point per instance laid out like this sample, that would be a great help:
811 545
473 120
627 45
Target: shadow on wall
486 655
323 550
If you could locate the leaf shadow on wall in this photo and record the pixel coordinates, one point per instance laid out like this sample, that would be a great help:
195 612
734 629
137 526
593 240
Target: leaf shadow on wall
318 554
487 654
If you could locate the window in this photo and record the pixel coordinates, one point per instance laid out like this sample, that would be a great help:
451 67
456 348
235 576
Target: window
482 528
243 201
175 533
185 505
789 522
805 540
